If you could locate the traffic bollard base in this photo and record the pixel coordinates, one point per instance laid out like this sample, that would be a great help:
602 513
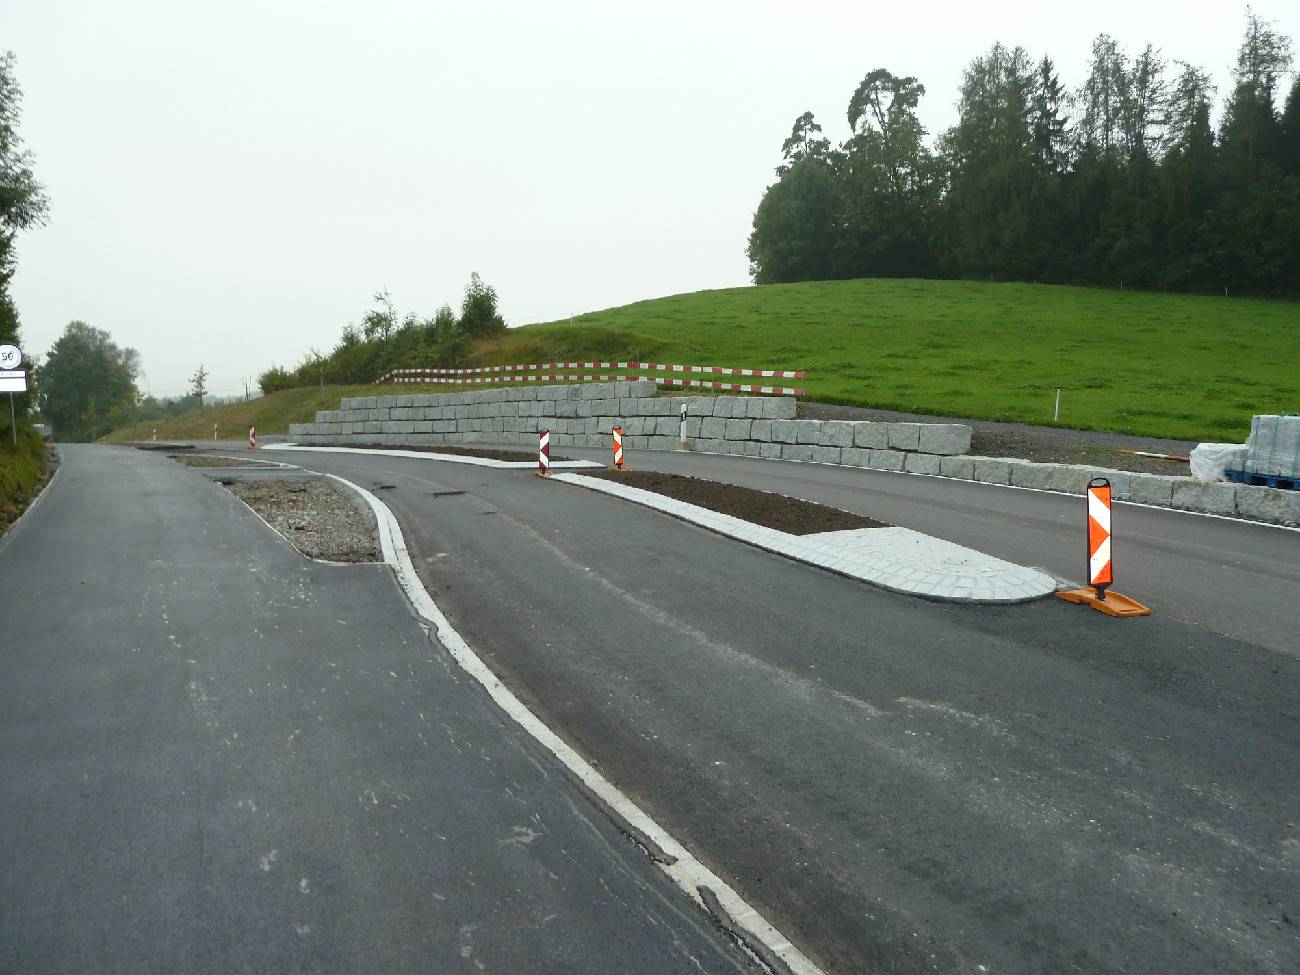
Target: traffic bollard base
1113 604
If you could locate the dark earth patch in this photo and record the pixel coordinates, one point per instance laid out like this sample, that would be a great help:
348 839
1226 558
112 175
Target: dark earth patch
774 511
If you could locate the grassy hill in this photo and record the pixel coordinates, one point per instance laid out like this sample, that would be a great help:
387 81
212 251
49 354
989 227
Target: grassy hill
1176 366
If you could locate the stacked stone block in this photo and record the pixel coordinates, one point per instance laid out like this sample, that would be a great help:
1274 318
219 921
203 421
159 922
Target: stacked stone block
748 426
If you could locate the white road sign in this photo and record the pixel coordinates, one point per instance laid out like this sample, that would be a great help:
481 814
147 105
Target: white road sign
13 382
10 357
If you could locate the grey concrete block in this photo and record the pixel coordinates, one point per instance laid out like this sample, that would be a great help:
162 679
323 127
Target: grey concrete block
826 455
800 452
887 460
769 451
915 463
808 431
869 434
694 424
779 407
641 388
1070 479
761 430
738 429
992 470
667 426
1211 497
1272 505
1027 474
1155 489
731 407
785 431
664 443
855 457
837 433
713 428
962 468
904 436
948 439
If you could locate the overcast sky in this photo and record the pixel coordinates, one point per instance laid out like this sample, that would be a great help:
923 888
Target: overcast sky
232 181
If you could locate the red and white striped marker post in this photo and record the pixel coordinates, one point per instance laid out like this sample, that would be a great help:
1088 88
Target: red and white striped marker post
544 453
1101 568
618 448
252 438
1101 573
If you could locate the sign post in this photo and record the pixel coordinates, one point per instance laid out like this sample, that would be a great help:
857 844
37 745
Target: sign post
12 380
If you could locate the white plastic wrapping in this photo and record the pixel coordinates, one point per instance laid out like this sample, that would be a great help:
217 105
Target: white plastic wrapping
1210 460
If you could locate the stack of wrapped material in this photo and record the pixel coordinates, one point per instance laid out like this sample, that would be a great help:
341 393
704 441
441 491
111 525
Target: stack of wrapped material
1274 446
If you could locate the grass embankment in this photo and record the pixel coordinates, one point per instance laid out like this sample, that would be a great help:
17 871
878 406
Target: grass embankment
1175 366
23 470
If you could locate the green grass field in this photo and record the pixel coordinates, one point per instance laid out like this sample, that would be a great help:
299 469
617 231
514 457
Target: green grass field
1175 366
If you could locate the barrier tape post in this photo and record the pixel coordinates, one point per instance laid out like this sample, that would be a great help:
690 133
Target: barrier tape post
544 453
1101 568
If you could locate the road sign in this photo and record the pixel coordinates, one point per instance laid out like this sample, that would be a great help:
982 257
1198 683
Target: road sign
13 381
10 357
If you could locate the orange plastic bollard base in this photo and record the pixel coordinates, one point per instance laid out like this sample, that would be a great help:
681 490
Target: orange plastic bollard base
1115 604
623 468
541 473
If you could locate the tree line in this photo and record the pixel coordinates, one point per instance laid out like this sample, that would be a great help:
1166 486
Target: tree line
1123 182
383 342
23 206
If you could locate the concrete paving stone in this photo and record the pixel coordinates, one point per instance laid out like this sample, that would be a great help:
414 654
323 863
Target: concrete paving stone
836 433
1154 489
871 435
1211 497
886 460
992 470
785 431
1268 504
904 436
915 463
960 467
1024 473
948 439
737 429
808 431
1120 481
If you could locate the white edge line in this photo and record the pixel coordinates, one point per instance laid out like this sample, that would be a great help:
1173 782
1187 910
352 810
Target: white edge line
687 872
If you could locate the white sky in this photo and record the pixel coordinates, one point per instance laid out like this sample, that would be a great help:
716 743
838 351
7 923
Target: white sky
232 181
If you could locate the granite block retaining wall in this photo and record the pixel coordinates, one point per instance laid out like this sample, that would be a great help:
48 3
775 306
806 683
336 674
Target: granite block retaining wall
749 426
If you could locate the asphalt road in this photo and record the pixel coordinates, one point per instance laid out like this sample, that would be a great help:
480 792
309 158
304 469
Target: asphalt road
900 785
217 756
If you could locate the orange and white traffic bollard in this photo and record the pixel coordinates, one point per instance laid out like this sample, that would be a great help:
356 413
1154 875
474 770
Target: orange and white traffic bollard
1101 568
618 449
544 453
252 438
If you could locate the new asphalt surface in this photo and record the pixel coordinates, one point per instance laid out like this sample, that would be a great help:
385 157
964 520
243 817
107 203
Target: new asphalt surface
218 756
898 784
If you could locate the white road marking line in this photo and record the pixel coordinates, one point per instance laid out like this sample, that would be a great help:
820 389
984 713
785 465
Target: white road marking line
687 872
